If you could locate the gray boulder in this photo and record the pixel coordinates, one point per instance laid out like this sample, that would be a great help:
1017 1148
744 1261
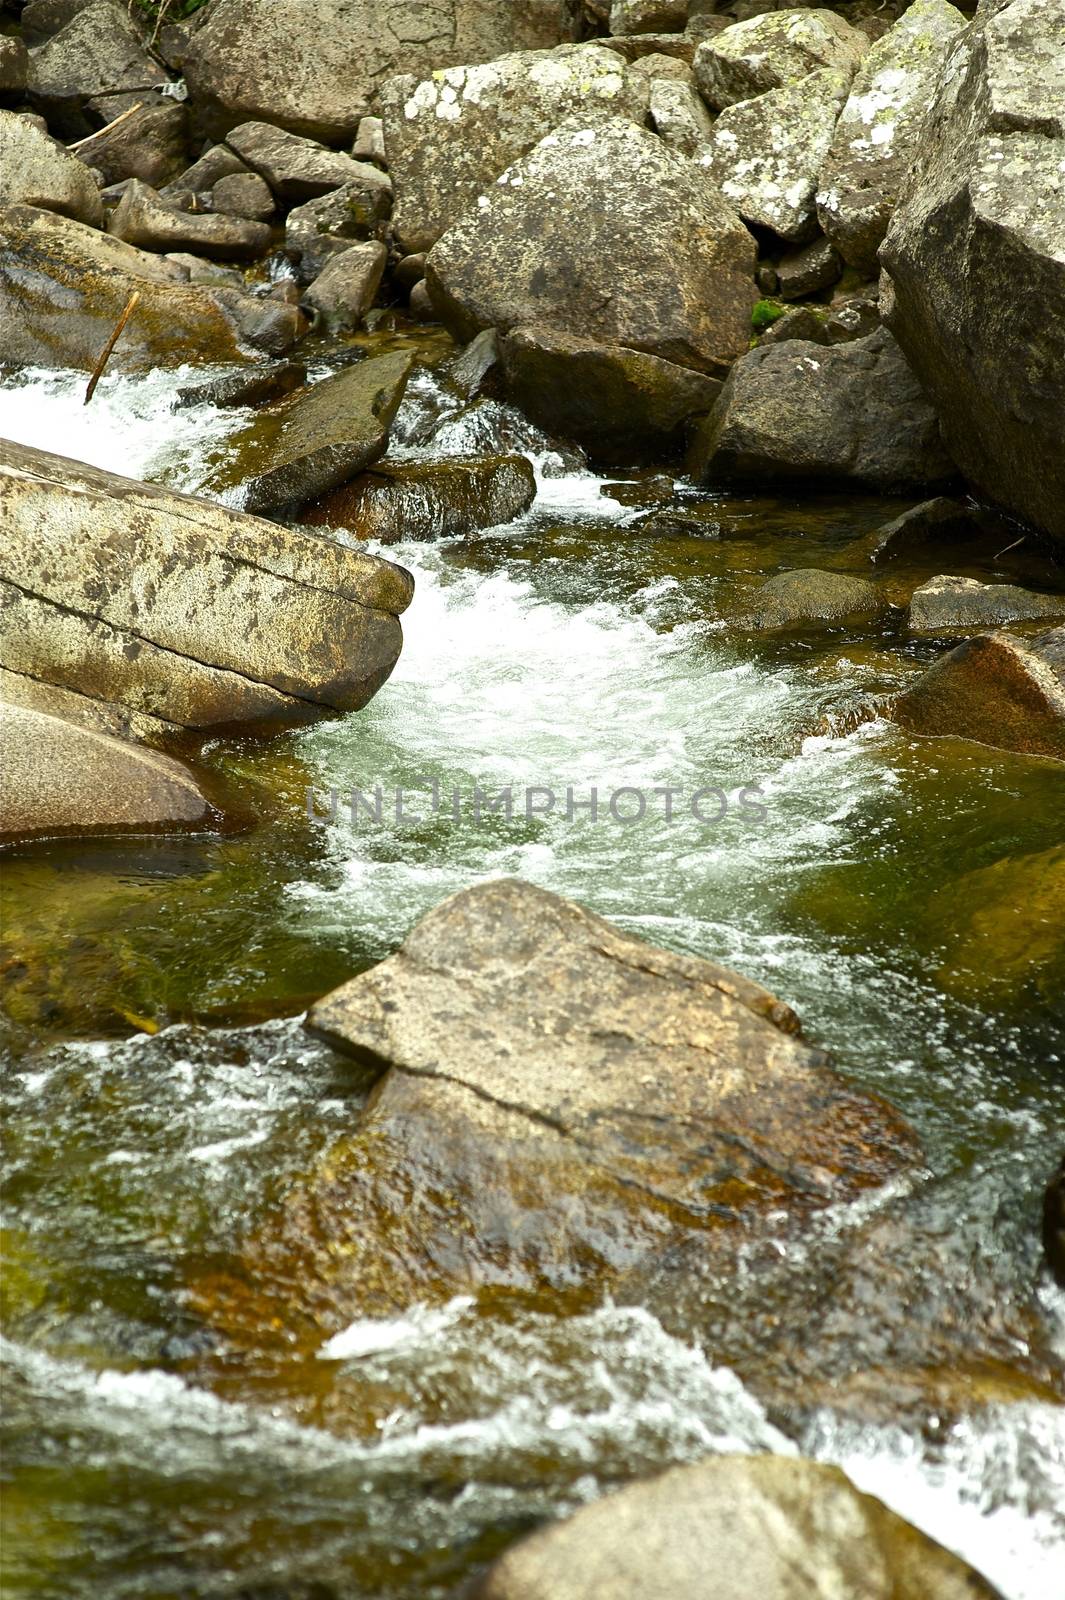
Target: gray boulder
296 169
314 65
346 287
679 116
806 595
195 183
97 58
142 219
445 499
150 145
773 50
849 413
604 232
370 142
801 272
182 610
449 137
622 405
648 16
765 154
728 1528
324 228
14 67
997 690
945 603
37 171
976 256
878 135
243 194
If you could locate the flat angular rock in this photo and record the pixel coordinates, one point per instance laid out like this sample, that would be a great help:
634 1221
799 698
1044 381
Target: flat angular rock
321 229
248 387
947 602
141 219
878 134
773 50
976 257
180 609
97 55
941 520
810 595
35 170
849 413
621 405
765 154
296 169
996 689
801 272
243 194
216 163
429 499
346 287
603 232
449 137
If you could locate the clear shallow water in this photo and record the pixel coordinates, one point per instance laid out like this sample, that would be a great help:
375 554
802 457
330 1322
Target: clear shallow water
569 651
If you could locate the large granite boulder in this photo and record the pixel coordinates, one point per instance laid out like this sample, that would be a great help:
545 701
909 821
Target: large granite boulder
183 610
63 287
996 689
976 255
604 232
772 50
849 413
94 67
728 1528
449 137
37 171
877 137
314 65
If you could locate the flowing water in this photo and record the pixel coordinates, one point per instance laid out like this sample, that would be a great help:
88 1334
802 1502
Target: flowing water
880 884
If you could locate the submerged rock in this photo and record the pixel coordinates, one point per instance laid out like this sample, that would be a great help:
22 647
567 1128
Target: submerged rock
317 439
622 405
976 257
179 609
730 1527
36 170
604 232
774 50
429 499
948 602
849 413
810 595
941 520
998 690
1054 1224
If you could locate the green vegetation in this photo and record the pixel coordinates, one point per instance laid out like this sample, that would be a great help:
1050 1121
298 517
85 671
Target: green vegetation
765 313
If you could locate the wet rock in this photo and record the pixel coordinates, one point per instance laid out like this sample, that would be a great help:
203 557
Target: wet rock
97 56
14 67
801 272
63 287
997 690
877 136
150 145
370 142
347 286
316 440
604 232
296 169
58 778
794 1528
766 153
199 180
851 413
810 595
142 219
941 520
1054 1225
180 609
947 602
313 65
469 370
421 305
679 116
450 137
37 171
976 256
429 499
774 50
243 194
648 16
321 229
248 387
195 269
86 711
621 405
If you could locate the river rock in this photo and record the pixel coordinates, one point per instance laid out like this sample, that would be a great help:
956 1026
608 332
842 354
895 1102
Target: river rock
296 169
317 439
142 219
679 116
947 602
197 181
941 520
36 170
766 153
801 272
1054 1224
247 387
850 413
321 229
243 194
150 145
976 257
877 137
996 689
97 56
773 50
808 595
450 137
63 287
730 1527
313 65
621 405
604 232
347 286
59 778
429 499
182 610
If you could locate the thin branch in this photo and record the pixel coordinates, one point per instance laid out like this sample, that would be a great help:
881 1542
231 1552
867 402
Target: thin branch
106 129
110 345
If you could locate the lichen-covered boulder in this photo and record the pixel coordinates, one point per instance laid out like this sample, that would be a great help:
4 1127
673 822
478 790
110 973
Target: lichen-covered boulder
765 154
36 170
678 115
444 499
995 689
773 50
603 231
849 413
946 602
976 257
314 65
449 137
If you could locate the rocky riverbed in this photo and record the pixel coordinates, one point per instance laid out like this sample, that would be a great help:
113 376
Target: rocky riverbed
533 705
